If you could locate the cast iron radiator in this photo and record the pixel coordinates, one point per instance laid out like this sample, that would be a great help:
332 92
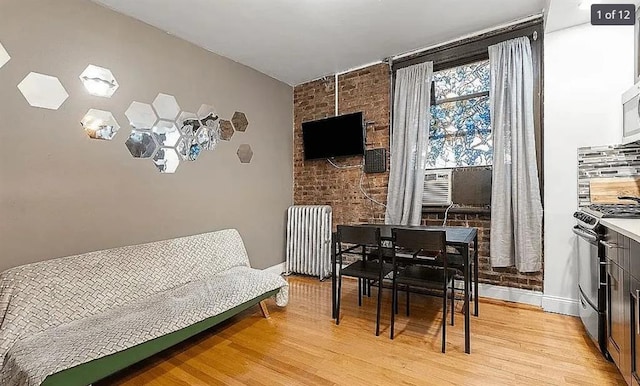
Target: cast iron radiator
309 240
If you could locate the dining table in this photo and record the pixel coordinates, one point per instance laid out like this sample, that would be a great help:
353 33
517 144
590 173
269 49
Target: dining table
463 239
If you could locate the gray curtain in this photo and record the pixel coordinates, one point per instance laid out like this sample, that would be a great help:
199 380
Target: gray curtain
409 139
516 209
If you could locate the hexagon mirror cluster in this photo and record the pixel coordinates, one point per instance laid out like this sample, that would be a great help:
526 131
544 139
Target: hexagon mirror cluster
99 81
43 91
4 56
162 132
100 124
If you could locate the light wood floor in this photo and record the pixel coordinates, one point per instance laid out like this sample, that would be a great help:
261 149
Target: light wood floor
301 345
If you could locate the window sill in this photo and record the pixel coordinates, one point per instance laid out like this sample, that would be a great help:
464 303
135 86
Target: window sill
457 210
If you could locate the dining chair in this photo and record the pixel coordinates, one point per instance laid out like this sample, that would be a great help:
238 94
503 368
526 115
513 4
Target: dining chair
349 240
419 271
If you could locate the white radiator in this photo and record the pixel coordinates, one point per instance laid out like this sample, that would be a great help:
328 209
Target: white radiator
309 240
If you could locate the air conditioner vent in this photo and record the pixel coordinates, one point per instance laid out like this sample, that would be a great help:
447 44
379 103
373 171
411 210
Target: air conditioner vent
437 188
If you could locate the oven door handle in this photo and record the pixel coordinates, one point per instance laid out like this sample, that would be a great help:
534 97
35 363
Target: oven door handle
609 245
591 237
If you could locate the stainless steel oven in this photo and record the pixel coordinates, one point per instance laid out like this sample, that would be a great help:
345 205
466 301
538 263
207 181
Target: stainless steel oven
591 284
591 260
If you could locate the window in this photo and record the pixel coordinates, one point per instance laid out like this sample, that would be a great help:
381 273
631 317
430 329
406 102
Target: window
460 129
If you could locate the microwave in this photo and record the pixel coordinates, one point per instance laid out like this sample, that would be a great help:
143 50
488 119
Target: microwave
631 114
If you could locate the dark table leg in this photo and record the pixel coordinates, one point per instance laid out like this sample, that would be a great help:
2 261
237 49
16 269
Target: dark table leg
475 274
333 276
467 308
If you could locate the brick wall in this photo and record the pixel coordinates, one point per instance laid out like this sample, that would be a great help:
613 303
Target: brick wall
319 183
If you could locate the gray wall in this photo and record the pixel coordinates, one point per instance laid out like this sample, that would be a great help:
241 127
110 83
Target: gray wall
62 193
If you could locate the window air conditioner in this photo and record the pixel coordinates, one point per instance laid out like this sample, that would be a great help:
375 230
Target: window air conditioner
437 188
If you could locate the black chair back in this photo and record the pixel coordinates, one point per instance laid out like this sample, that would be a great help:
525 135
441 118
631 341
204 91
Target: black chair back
432 243
358 235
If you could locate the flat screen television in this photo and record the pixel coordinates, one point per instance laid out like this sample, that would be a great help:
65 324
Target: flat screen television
333 137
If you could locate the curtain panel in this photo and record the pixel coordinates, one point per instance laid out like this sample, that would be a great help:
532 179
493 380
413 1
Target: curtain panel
409 140
516 208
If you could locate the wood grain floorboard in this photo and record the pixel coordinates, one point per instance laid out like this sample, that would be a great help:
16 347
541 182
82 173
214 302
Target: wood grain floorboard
511 344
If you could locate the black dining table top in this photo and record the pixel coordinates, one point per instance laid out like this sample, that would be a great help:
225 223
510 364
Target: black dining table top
455 234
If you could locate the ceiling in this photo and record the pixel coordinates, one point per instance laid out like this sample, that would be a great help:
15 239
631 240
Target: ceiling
299 40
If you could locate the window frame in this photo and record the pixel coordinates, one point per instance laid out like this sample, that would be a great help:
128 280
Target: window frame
476 48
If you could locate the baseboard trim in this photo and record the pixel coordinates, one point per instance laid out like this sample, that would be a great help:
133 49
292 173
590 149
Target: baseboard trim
277 269
510 294
560 305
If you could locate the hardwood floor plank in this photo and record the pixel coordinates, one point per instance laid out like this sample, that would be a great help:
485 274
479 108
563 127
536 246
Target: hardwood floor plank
511 344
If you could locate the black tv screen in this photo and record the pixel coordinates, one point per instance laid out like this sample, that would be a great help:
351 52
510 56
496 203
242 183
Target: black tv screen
333 137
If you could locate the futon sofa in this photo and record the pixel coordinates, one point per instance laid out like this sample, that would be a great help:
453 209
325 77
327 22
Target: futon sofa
75 320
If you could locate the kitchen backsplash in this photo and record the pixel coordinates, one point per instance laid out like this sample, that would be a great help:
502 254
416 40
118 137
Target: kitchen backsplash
605 161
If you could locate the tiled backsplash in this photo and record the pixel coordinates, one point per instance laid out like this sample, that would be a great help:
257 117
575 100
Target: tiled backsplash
605 161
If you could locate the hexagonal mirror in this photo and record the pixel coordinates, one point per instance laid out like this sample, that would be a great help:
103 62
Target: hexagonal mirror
226 130
208 137
166 106
245 153
207 114
239 121
99 81
214 137
141 115
100 124
188 123
188 148
4 56
166 160
43 91
141 144
167 134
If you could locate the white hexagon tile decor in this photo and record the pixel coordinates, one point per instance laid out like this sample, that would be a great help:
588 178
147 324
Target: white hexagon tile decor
4 56
99 81
43 91
141 115
166 107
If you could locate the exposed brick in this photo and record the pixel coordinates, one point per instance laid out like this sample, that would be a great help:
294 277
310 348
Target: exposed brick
318 183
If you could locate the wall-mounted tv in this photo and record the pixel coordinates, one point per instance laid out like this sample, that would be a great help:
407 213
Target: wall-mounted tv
333 137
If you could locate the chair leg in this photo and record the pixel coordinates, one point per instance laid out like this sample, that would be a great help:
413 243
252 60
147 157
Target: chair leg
395 306
369 288
379 305
453 300
359 292
444 318
394 299
408 296
338 299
